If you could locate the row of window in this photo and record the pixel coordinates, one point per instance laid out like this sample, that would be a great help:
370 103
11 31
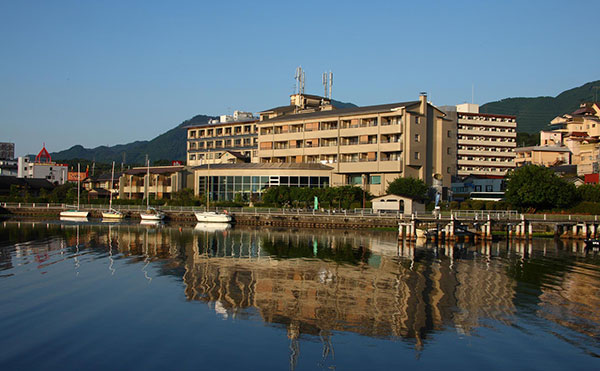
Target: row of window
227 143
485 148
333 125
224 188
486 159
487 128
226 131
481 168
485 138
487 118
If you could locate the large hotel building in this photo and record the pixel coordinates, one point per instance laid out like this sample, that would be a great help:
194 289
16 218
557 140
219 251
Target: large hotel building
311 139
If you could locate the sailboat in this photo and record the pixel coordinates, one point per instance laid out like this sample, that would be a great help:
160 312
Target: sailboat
211 216
112 213
75 213
150 213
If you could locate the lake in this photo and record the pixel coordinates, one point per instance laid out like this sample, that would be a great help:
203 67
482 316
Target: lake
128 296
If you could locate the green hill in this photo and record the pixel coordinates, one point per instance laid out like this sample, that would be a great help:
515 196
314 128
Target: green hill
534 114
170 145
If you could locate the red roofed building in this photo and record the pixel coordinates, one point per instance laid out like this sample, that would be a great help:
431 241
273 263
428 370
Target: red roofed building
42 168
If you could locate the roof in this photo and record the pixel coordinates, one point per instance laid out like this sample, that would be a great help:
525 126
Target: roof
100 191
217 124
106 176
282 165
543 149
342 112
487 115
280 109
33 183
393 197
154 170
237 155
578 134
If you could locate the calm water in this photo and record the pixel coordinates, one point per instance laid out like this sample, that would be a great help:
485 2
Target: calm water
102 296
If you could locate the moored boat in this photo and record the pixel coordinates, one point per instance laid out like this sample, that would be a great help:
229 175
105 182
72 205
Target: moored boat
212 217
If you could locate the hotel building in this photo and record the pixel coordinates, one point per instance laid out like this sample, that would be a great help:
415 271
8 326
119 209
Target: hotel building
368 146
228 139
42 168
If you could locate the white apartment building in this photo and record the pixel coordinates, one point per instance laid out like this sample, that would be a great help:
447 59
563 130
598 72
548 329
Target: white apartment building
42 168
486 142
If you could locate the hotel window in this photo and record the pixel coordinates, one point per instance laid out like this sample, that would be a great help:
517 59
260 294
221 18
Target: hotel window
417 120
375 179
417 155
417 137
448 151
448 169
449 133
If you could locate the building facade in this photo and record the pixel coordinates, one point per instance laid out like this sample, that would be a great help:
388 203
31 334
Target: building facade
229 139
486 142
42 168
162 182
368 146
224 182
7 151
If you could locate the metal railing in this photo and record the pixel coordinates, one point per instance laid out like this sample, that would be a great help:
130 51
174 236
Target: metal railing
494 215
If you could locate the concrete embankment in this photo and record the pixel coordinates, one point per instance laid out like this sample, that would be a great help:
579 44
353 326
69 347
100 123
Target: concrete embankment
323 221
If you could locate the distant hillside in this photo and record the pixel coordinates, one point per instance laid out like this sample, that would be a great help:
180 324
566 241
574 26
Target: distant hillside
534 114
168 146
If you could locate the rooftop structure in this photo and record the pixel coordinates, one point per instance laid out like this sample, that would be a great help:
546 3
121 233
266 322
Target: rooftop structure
42 168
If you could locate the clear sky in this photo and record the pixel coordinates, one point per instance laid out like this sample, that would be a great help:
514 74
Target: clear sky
111 72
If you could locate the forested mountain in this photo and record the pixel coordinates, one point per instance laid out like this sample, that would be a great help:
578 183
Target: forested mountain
170 145
534 114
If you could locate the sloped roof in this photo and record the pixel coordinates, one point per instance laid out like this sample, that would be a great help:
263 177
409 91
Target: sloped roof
154 170
342 112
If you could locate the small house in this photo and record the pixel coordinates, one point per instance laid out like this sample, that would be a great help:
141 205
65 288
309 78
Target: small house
397 204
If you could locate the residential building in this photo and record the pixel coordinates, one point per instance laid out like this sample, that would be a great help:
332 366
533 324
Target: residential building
542 155
101 186
368 146
463 187
486 142
228 139
42 168
8 164
163 182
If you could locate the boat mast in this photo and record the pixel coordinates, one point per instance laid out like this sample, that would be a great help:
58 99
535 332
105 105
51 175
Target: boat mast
208 185
148 183
112 180
78 175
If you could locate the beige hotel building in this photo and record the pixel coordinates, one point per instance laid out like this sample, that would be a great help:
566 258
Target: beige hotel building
368 146
312 143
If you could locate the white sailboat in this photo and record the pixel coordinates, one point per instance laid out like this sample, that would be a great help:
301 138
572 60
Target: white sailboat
211 216
112 213
150 213
75 213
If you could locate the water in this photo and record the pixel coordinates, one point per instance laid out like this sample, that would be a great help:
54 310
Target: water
125 296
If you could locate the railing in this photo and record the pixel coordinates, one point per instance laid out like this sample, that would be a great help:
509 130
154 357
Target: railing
494 215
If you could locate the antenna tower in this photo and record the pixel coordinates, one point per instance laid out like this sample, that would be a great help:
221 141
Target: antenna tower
299 77
325 84
330 83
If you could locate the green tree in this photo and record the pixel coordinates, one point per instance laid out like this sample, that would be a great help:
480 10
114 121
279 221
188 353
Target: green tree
589 192
538 187
408 187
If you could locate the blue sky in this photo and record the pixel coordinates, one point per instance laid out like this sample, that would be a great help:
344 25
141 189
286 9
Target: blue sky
111 72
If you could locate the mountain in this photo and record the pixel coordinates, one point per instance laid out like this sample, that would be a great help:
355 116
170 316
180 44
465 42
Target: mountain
534 114
170 145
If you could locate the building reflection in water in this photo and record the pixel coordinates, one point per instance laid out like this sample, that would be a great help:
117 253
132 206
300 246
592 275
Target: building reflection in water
320 282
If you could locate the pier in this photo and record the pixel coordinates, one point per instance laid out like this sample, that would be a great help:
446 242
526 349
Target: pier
453 225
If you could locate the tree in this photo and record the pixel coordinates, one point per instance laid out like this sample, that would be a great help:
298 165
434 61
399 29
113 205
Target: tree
538 187
408 187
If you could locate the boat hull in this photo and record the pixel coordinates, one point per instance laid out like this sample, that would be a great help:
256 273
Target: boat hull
112 215
74 214
211 217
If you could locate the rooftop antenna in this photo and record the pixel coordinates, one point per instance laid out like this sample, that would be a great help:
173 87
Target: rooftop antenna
472 93
330 83
299 77
325 83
